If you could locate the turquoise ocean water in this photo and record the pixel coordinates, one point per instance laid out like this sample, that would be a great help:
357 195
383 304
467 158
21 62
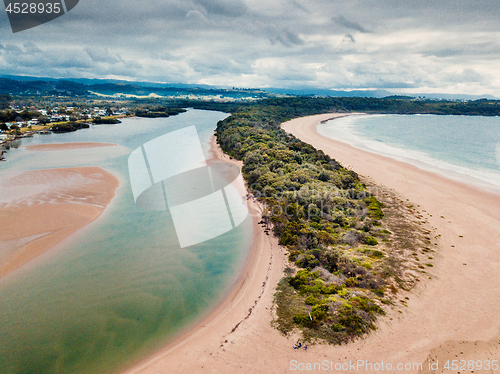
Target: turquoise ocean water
121 287
464 148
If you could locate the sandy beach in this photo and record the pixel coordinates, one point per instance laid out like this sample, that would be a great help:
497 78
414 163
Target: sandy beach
452 316
39 209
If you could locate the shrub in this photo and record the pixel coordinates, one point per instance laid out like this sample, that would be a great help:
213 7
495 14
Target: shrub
377 254
374 207
310 300
351 282
305 321
318 312
370 240
352 322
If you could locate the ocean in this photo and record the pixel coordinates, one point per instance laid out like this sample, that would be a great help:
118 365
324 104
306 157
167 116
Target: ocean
463 148
121 287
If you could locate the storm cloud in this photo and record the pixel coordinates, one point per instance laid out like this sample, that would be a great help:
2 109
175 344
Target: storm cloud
403 46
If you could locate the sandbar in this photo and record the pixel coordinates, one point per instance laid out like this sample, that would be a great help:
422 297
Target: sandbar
41 208
67 146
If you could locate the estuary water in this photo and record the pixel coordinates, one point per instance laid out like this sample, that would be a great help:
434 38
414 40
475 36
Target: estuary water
464 148
121 287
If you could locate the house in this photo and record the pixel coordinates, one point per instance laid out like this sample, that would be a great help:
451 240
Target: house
59 118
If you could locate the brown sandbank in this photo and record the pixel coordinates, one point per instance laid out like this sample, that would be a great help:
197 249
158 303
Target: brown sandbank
67 146
39 209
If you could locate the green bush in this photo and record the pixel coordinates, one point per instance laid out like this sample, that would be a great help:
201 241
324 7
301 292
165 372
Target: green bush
304 320
310 300
351 282
370 240
374 207
318 312
377 254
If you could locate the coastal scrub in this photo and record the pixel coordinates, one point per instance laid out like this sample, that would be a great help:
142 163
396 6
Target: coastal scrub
326 217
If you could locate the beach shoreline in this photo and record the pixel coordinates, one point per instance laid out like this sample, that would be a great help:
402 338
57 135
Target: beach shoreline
40 209
454 172
452 315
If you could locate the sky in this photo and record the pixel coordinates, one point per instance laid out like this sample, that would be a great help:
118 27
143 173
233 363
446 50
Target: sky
433 46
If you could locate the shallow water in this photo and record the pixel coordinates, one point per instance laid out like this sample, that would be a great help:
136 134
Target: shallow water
121 287
465 148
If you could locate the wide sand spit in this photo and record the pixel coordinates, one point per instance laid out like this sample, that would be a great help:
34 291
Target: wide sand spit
452 316
67 146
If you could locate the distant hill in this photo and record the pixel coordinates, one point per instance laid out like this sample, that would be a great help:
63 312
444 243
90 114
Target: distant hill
26 85
310 91
93 87
41 87
445 96
399 97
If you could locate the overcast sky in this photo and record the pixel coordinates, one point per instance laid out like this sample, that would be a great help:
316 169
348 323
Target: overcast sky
445 46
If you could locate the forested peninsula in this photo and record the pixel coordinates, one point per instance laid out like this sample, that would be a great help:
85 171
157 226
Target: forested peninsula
351 250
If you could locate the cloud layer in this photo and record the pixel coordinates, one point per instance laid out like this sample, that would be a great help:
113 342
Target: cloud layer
402 46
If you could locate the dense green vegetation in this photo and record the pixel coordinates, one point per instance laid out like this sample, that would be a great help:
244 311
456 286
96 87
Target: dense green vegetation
158 112
292 107
4 101
68 127
9 115
105 121
322 213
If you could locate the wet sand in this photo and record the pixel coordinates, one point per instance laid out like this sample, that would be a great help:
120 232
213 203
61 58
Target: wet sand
67 146
39 209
